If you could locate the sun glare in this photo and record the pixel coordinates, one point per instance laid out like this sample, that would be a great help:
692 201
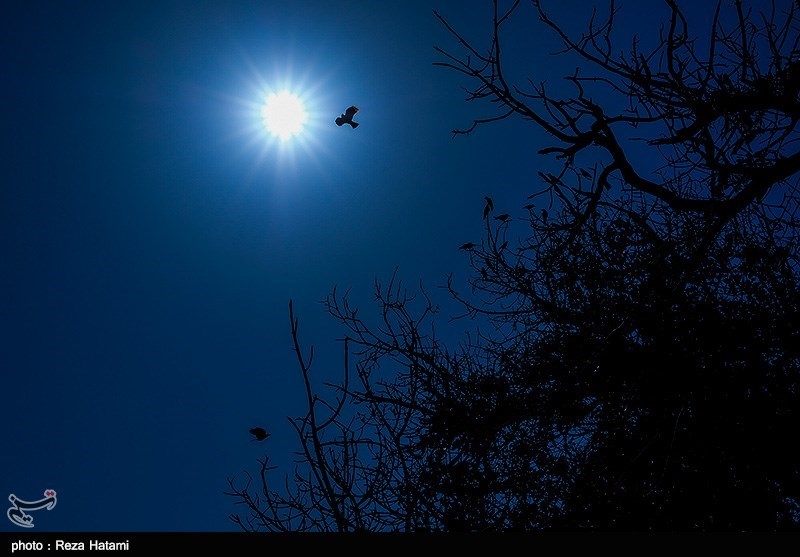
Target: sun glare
284 114
280 116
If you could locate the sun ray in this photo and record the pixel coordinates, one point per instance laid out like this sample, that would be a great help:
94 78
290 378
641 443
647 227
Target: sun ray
281 153
284 114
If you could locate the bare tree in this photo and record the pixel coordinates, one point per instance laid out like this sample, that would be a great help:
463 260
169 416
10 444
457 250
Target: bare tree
635 361
722 121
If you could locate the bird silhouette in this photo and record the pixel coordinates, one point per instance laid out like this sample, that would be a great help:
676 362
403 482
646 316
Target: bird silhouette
504 217
259 433
347 117
468 245
489 206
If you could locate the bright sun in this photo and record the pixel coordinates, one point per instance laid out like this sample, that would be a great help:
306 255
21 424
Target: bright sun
284 114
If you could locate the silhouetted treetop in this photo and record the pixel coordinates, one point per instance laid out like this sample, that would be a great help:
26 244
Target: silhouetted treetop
721 118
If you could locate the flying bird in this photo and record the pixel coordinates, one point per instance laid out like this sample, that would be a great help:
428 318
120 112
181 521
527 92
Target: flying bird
468 245
347 117
259 433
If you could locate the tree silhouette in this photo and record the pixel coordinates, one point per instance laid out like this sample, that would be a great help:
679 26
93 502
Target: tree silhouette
635 361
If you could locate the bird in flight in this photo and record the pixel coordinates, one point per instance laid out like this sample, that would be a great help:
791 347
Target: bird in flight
347 117
259 433
468 245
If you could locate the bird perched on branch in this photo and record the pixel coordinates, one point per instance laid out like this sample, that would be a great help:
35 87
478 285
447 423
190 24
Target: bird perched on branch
468 245
347 117
259 433
489 206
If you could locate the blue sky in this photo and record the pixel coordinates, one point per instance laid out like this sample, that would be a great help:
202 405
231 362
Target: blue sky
152 233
